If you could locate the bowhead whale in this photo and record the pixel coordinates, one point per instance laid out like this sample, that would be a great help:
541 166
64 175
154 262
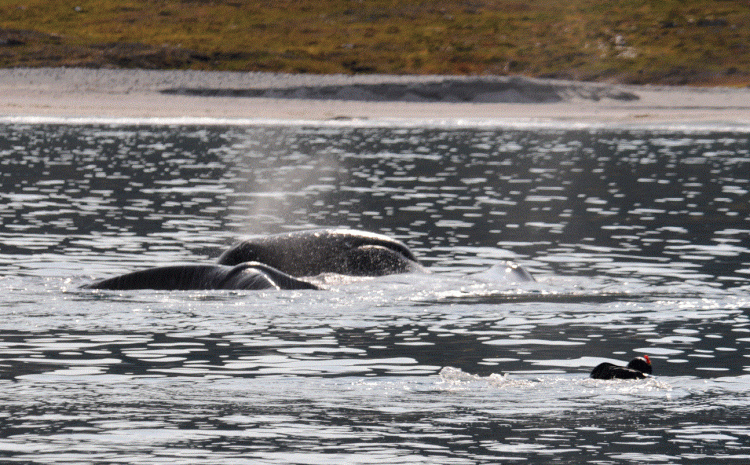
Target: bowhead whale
313 252
282 261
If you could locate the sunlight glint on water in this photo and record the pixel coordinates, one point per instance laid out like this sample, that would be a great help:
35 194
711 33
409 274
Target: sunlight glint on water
638 239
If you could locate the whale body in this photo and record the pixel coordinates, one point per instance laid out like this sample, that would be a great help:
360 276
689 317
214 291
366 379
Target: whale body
280 261
314 252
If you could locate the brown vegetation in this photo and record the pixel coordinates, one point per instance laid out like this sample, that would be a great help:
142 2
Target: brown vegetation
647 41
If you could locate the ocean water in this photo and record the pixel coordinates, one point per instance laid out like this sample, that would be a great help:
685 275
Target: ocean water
639 239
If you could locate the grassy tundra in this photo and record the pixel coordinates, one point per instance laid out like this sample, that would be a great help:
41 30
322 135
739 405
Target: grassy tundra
697 42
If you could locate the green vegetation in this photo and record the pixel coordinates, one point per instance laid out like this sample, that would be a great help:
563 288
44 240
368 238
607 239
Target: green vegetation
700 42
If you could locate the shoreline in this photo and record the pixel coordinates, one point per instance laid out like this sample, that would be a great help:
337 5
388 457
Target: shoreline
201 95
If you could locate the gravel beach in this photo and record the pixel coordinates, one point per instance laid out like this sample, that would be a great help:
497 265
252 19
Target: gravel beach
98 93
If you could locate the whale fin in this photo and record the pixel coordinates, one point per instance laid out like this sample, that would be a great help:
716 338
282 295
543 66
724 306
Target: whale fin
254 275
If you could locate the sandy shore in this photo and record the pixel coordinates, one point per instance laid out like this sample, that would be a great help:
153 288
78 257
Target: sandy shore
90 93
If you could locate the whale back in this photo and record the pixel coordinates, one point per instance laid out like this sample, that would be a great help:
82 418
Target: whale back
179 277
246 276
310 253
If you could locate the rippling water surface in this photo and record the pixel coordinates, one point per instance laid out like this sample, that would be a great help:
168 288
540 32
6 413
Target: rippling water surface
639 240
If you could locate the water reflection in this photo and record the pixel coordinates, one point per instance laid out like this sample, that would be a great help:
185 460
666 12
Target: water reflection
612 203
639 241
371 333
451 418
